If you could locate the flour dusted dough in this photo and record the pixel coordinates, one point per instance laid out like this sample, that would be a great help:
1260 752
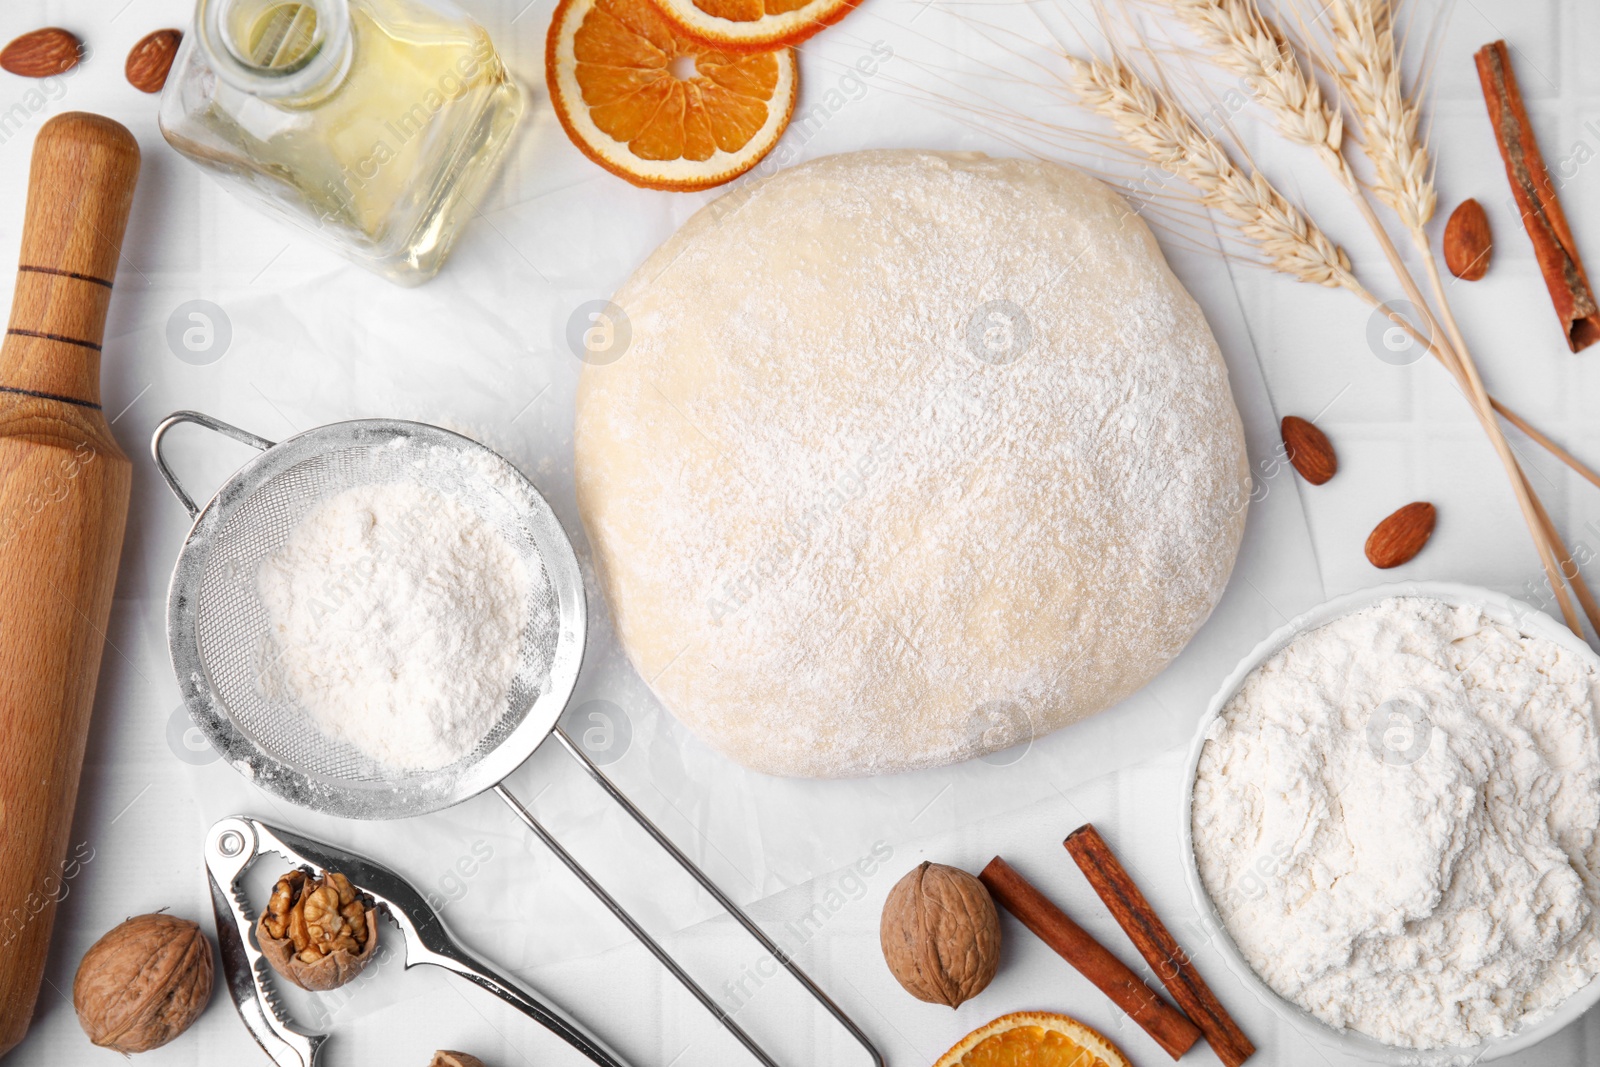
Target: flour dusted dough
853 515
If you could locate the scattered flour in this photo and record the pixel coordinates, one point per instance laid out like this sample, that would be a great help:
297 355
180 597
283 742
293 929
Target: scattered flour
1397 819
397 614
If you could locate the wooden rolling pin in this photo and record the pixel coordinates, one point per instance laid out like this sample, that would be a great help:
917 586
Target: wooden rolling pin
63 504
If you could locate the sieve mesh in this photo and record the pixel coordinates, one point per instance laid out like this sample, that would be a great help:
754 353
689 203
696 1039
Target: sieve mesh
215 592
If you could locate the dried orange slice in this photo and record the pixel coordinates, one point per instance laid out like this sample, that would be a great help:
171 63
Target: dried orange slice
751 25
656 108
1034 1039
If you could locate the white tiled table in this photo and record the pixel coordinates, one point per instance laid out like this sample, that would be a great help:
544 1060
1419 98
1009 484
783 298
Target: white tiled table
481 349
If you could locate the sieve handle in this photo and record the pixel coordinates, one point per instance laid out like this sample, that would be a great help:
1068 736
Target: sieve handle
661 954
199 419
666 958
816 992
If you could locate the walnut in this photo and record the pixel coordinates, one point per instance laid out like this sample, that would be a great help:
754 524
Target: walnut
144 983
317 932
940 934
446 1058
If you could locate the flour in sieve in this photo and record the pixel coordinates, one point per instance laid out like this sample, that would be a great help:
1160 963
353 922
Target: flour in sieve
1398 818
397 613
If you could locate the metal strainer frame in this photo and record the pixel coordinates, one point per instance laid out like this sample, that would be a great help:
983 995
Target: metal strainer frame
486 768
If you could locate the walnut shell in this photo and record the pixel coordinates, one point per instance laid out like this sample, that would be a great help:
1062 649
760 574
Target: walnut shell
446 1058
318 933
940 934
144 983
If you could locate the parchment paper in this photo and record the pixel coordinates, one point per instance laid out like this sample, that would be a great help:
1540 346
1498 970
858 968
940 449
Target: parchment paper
484 350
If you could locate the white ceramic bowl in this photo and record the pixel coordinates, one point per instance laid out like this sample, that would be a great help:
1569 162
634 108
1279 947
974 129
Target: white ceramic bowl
1502 609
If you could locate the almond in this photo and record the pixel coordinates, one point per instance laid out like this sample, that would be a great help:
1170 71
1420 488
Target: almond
42 53
1401 536
1309 449
1466 241
151 59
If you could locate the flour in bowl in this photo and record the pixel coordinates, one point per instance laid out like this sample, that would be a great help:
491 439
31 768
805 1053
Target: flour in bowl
1398 818
396 613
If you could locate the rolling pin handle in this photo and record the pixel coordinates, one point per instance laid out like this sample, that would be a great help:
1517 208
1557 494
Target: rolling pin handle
80 191
199 419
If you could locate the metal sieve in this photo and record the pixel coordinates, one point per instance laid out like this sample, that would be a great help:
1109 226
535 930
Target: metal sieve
224 655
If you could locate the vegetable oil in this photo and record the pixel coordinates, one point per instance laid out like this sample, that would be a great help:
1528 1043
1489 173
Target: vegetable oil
376 124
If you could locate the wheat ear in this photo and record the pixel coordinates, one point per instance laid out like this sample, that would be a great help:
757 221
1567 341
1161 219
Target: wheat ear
1367 70
1247 44
1149 121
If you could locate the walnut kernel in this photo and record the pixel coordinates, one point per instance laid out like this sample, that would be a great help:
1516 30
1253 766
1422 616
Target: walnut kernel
317 932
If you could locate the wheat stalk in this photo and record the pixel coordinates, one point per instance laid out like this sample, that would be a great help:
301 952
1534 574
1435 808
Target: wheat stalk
1367 67
1243 40
1147 119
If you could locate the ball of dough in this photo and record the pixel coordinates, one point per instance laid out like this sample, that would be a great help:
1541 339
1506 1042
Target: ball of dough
910 456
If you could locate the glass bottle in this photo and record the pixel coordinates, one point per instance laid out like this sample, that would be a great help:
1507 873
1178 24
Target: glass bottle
374 124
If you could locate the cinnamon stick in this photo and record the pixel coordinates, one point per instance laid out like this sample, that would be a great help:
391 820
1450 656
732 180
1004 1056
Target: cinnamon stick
1164 1023
1542 216
1157 945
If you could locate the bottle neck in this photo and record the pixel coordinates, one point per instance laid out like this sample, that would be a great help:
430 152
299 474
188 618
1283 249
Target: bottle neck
291 51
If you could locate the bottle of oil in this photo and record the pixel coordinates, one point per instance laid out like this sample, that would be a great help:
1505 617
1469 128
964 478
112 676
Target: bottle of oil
375 124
